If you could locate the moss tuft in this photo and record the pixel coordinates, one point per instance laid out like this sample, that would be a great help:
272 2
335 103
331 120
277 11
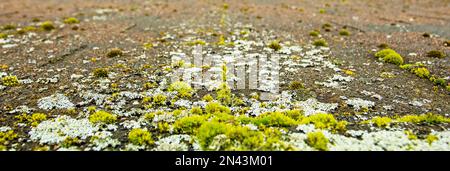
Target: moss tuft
102 117
215 107
182 88
314 33
47 26
275 45
101 72
421 72
189 124
274 119
390 56
317 140
71 20
140 137
296 85
436 54
344 32
320 42
10 81
114 52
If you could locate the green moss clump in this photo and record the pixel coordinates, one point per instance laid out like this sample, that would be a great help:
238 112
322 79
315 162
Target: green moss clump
436 54
10 81
102 117
320 42
384 52
189 124
431 138
390 56
140 137
275 45
344 32
9 27
224 94
196 111
3 36
114 52
314 33
219 136
101 72
6 137
324 121
317 140
421 72
393 58
447 88
215 107
296 85
274 119
438 81
208 131
208 98
37 118
47 26
71 20
159 99
381 122
183 89
429 118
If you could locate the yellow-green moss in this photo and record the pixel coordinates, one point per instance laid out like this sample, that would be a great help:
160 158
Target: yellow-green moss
114 52
37 118
100 72
344 32
429 118
196 111
314 33
9 27
436 54
102 117
10 81
421 72
277 119
275 45
431 138
214 107
381 122
140 137
3 36
390 56
320 42
324 121
189 124
296 85
71 20
224 94
7 137
393 58
159 99
208 98
47 25
183 89
317 140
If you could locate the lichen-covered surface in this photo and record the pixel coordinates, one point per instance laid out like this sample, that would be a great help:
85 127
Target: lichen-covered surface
234 75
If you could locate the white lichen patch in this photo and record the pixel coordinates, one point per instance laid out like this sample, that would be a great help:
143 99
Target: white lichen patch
358 103
57 130
56 101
